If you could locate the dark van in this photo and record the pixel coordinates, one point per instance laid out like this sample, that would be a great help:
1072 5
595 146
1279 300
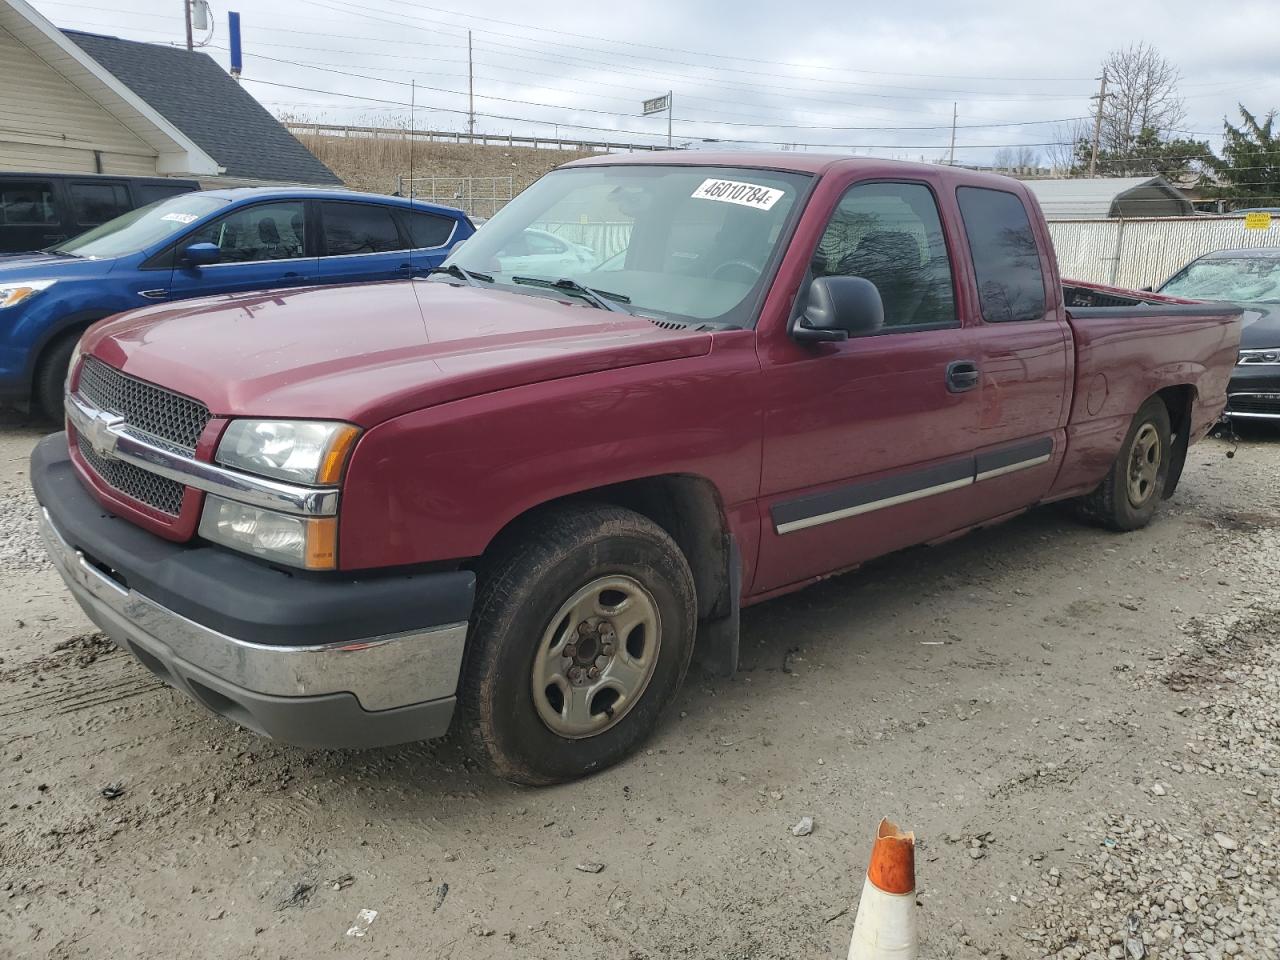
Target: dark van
38 210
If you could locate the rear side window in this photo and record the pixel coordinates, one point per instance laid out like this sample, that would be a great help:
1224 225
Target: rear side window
1005 256
429 229
359 228
26 204
95 203
890 234
151 192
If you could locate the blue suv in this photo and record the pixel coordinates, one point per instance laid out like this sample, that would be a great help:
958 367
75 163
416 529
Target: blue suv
196 245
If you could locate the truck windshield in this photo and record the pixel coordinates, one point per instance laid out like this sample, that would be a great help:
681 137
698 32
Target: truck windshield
690 243
138 229
1241 280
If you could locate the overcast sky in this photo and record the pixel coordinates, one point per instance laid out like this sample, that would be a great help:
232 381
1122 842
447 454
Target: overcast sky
751 71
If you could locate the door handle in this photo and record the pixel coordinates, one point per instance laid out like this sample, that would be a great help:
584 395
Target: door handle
962 375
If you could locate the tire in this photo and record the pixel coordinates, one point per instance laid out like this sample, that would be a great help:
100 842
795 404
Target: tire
528 623
51 376
1118 503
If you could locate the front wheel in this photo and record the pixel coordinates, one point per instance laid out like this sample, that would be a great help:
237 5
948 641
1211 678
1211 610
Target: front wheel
1128 497
582 633
51 376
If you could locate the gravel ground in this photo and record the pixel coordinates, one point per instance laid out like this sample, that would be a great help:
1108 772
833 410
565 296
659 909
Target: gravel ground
1081 728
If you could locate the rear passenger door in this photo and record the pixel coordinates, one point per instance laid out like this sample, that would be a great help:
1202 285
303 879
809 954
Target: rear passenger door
29 217
1024 349
361 242
264 246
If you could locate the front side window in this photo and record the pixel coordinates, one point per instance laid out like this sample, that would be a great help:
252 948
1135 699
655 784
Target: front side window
27 204
1006 258
139 229
1239 279
359 228
265 231
680 242
891 234
95 203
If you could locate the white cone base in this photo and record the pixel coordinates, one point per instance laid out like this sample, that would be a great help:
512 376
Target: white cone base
885 928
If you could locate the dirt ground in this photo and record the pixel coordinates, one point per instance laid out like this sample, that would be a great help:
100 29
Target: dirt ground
1080 727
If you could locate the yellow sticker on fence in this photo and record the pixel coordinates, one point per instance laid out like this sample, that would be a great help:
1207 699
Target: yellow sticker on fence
1257 221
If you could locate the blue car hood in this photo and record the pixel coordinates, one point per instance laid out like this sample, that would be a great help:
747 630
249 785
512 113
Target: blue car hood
45 266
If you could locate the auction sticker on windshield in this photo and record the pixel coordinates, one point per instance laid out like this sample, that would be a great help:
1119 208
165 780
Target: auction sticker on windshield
734 191
181 217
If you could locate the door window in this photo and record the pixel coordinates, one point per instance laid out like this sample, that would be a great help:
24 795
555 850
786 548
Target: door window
27 204
430 229
151 192
95 203
891 234
266 231
359 228
1006 258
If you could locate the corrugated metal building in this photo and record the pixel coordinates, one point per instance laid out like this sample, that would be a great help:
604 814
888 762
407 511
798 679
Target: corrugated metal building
1091 198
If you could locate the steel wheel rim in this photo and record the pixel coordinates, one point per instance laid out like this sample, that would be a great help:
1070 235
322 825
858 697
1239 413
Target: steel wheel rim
1144 464
596 657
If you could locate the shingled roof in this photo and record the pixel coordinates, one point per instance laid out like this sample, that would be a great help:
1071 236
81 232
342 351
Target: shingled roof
199 98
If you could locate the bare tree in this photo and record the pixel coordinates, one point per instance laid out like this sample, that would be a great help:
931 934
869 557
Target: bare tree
1142 94
1063 153
1015 158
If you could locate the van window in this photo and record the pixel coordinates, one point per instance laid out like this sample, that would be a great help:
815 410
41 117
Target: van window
430 229
359 228
27 204
95 203
1005 256
891 234
151 192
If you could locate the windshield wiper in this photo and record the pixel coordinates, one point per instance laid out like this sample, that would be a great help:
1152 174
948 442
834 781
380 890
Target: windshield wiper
455 271
604 299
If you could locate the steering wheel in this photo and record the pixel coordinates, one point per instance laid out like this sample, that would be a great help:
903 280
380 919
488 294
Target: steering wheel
726 269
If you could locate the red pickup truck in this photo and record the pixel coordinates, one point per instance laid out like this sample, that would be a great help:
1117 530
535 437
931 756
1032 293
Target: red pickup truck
520 495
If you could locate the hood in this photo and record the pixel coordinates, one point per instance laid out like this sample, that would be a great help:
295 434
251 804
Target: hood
1261 326
42 266
366 353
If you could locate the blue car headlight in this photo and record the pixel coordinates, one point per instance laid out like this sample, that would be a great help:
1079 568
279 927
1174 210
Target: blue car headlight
13 293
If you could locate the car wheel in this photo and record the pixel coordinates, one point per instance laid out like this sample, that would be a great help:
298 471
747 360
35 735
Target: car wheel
582 633
51 376
1127 499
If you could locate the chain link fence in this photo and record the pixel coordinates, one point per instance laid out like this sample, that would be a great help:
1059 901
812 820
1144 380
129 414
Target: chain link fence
475 196
1146 252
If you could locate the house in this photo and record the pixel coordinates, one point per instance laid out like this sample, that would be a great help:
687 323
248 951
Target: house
1100 198
73 102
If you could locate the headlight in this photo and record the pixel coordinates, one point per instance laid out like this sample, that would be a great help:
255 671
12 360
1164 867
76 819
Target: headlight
301 451
310 543
12 294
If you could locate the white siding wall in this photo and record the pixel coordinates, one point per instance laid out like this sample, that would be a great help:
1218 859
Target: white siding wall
1141 253
48 125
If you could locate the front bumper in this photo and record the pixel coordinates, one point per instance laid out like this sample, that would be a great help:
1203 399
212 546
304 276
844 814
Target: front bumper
322 662
1254 393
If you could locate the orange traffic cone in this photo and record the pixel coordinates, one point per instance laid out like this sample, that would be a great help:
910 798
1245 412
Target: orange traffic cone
885 928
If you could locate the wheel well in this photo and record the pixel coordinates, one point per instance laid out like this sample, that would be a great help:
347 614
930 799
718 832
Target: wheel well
1178 401
71 331
687 507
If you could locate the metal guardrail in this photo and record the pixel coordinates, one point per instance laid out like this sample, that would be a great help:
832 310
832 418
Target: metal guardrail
454 136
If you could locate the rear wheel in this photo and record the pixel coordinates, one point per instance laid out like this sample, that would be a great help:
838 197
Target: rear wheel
1127 499
582 633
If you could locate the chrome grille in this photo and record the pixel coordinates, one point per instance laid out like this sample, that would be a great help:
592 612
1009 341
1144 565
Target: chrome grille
147 409
155 491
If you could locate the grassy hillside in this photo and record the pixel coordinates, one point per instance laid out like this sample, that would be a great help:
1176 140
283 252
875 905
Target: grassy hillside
368 163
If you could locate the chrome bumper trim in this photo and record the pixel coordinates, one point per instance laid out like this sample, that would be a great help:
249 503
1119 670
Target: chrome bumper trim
1234 415
110 436
381 672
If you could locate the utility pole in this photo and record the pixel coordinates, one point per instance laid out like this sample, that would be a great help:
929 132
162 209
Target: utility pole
952 156
186 15
471 91
670 105
1097 123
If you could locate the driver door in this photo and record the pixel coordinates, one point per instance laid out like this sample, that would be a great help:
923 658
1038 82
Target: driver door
264 247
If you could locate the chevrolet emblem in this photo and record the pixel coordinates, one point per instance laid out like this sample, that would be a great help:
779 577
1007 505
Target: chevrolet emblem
98 429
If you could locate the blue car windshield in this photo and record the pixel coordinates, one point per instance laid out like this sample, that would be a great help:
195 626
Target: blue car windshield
139 229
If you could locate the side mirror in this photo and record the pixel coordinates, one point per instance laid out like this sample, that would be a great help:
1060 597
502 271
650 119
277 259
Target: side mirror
839 308
202 254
